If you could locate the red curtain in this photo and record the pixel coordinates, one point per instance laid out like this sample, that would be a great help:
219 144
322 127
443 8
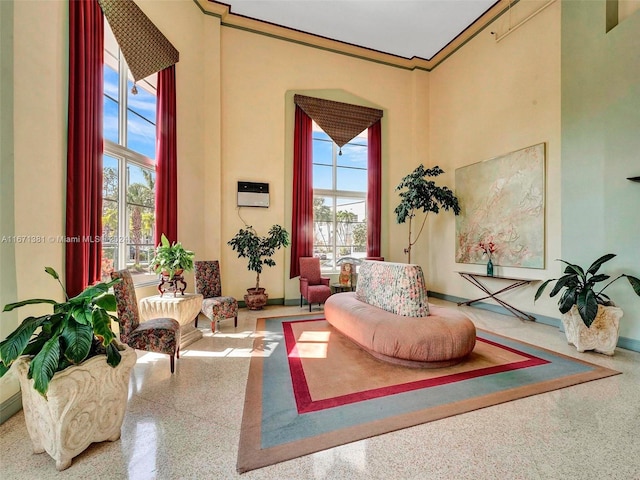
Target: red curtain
166 157
84 146
374 190
302 214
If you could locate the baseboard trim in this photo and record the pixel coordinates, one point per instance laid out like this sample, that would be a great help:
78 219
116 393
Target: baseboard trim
623 342
10 406
270 301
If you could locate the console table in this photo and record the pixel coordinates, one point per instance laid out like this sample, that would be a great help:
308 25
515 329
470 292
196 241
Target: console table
513 283
184 308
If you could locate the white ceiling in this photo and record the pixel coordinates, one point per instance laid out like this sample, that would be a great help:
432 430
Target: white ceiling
405 28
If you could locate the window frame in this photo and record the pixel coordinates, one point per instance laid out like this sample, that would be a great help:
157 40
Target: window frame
125 156
336 194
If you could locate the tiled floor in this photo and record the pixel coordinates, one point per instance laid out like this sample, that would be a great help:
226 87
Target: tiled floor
186 426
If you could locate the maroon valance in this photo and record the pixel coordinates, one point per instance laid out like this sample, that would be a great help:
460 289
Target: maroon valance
341 121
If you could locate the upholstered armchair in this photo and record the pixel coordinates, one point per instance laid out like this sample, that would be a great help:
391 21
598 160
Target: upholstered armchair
215 306
313 287
159 335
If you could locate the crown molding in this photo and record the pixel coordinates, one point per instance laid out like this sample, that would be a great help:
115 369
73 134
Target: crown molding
232 20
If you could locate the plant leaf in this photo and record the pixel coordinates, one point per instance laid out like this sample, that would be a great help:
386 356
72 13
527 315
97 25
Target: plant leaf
82 314
52 272
561 283
77 339
13 346
542 287
33 301
113 355
595 266
635 283
3 369
102 326
571 268
107 302
567 300
44 365
587 306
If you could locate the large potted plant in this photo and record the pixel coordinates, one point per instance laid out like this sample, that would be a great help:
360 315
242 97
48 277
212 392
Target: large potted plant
590 319
74 374
425 195
170 261
258 250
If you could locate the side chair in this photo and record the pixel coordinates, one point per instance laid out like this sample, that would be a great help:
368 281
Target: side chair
215 306
313 286
160 335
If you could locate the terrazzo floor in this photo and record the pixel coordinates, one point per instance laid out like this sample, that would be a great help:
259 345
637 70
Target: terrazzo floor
187 425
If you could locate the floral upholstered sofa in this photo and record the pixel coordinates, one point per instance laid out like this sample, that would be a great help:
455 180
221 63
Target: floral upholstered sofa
390 317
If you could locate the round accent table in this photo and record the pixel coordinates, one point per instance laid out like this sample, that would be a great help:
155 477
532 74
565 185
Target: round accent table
184 308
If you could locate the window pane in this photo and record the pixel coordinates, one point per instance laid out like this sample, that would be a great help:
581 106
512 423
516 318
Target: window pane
140 239
323 152
323 230
110 120
351 179
141 185
109 216
353 156
351 236
141 122
322 177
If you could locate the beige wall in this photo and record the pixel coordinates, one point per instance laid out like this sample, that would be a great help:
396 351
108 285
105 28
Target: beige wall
259 77
489 99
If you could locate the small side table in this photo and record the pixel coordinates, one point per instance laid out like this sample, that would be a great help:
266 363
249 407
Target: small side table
184 308
474 278
340 287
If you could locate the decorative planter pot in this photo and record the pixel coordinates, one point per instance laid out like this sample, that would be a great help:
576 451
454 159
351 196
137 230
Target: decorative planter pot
85 403
255 299
173 284
601 336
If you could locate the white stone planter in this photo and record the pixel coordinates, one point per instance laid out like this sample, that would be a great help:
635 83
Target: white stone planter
601 336
85 404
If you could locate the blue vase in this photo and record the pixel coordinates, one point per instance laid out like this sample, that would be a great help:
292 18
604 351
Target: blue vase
490 268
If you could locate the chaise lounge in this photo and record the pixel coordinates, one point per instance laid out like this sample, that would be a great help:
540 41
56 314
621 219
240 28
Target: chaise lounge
389 316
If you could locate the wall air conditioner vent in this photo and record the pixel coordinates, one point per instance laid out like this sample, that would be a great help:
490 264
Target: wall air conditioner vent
251 194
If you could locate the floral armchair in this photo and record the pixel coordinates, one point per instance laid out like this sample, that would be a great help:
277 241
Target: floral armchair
215 306
160 335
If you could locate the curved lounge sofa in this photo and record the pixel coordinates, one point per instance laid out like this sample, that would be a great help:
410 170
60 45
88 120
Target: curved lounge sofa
389 316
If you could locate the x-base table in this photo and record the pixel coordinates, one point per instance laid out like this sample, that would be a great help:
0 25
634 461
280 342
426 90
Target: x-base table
474 278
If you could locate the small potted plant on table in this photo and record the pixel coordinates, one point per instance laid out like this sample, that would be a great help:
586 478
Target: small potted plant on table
171 260
590 318
74 374
259 251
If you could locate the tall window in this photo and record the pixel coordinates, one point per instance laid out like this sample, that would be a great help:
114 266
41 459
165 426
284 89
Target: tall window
128 212
339 198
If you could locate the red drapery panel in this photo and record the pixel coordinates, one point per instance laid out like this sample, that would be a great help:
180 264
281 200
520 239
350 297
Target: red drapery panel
84 146
374 190
166 157
302 214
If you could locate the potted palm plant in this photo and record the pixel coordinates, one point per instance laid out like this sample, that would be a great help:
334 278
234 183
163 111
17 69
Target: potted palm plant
259 251
425 195
74 374
170 261
590 319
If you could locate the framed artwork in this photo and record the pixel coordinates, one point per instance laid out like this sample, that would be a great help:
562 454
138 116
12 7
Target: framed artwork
502 203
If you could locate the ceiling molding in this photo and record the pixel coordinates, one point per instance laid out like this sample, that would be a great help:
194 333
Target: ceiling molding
232 20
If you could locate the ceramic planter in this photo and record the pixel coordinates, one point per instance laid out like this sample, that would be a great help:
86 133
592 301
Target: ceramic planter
601 336
255 299
85 404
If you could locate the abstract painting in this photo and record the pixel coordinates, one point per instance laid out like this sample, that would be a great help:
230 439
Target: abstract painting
502 203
